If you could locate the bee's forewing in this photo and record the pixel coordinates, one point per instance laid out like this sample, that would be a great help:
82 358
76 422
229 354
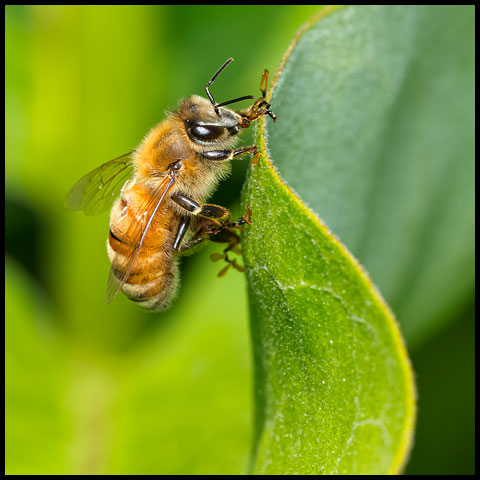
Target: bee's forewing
95 192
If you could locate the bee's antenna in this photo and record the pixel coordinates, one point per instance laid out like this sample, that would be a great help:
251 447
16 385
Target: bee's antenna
228 102
215 75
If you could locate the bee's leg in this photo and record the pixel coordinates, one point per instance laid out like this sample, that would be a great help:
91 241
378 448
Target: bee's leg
182 229
207 210
260 107
211 229
225 233
224 155
215 230
246 218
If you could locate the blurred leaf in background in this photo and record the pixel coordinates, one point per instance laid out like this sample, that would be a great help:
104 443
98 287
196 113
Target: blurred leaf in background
93 389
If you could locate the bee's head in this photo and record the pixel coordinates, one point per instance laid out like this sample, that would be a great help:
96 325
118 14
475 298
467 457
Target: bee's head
208 123
202 123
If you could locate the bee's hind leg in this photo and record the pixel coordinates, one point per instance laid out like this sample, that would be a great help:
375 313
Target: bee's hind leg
214 231
227 234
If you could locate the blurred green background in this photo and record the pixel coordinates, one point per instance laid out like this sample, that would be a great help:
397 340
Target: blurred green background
97 389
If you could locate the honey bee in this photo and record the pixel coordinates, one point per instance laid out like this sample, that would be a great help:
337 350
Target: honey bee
162 187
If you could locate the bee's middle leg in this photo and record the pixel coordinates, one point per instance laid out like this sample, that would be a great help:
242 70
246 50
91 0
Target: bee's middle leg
182 230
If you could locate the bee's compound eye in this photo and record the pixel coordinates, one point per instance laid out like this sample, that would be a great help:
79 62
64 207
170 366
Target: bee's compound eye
207 132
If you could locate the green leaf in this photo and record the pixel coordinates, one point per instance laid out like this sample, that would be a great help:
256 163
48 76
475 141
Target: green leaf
375 132
333 383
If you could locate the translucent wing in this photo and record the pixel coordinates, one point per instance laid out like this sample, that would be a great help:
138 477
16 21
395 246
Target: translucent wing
122 265
95 192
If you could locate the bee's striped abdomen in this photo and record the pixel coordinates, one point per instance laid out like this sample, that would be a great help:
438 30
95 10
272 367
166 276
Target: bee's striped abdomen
152 281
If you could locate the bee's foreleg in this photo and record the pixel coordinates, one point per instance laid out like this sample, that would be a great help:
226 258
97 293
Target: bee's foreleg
224 155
